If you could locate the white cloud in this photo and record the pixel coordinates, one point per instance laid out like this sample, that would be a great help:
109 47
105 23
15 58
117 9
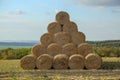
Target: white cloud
98 2
116 10
16 12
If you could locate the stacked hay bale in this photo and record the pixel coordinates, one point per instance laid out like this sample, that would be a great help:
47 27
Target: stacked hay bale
62 47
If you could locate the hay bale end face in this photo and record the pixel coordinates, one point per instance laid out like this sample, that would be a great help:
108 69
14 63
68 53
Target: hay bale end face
93 61
62 38
76 61
46 39
60 61
38 49
70 27
54 27
62 17
44 61
78 38
28 62
84 49
69 49
54 49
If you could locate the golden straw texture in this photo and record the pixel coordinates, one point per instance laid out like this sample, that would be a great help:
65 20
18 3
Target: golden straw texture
93 61
60 61
28 62
84 49
69 49
62 17
54 27
54 49
44 61
78 38
38 49
62 38
76 61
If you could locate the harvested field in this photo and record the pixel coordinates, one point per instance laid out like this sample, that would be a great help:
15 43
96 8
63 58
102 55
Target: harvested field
11 70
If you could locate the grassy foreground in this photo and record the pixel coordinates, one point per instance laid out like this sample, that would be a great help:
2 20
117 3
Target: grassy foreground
11 70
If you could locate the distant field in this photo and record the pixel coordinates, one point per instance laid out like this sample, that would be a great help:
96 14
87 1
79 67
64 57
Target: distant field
11 70
14 47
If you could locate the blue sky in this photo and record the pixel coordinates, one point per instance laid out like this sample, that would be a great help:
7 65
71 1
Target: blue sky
28 19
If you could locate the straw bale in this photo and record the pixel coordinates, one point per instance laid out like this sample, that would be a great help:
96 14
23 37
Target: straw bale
44 61
76 61
62 38
70 27
78 38
54 27
54 49
62 17
84 49
93 61
38 49
28 62
47 39
60 61
69 49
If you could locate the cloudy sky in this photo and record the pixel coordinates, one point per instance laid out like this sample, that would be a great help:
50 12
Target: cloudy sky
28 19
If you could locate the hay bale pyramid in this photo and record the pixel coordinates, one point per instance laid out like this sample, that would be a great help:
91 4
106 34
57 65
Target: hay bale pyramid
62 47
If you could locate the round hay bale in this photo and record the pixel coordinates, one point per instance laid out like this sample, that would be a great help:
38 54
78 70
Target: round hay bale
84 49
93 61
70 27
28 62
62 17
78 38
76 61
46 39
54 49
60 61
38 49
44 61
62 38
69 49
54 27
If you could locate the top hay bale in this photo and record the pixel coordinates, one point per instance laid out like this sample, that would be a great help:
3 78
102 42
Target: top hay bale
62 17
54 27
70 27
93 61
62 38
47 39
78 37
